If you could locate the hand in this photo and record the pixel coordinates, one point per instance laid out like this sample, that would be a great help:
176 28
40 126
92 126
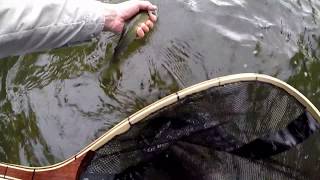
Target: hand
118 14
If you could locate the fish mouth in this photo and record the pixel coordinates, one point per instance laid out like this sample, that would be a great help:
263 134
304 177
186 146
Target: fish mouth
154 12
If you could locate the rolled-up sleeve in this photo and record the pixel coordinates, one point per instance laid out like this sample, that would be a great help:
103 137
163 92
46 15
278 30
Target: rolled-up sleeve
35 25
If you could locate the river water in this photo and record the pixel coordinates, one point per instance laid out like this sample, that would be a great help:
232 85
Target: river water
54 103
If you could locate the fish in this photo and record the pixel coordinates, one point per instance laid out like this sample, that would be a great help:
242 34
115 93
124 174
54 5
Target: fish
126 45
129 34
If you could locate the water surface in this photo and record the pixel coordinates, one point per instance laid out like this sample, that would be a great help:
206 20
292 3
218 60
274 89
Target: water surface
54 103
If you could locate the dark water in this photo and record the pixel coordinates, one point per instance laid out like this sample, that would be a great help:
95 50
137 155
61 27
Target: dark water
53 104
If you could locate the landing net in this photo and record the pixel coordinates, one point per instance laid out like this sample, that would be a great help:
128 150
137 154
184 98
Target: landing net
239 130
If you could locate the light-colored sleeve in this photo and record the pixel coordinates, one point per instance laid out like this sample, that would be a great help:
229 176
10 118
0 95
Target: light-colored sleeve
36 25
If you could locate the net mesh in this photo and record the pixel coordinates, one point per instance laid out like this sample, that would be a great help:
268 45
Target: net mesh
244 130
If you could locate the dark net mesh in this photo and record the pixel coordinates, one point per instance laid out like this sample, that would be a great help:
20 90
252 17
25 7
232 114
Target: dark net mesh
245 130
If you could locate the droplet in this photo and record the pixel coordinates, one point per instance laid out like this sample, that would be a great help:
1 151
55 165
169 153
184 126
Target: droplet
141 85
255 52
260 35
245 65
305 74
288 37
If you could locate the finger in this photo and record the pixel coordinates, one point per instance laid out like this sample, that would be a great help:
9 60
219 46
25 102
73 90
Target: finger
146 5
149 24
140 32
144 27
152 16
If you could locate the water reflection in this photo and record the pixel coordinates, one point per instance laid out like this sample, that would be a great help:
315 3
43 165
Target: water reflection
305 65
21 139
56 102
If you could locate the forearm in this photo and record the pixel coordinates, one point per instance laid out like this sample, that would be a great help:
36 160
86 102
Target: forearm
35 25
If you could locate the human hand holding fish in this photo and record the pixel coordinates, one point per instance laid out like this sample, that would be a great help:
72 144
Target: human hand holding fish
133 19
118 14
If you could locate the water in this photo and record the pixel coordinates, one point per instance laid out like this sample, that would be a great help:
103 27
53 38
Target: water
52 104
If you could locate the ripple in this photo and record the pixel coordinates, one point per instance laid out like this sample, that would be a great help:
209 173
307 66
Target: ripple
258 21
191 4
229 2
233 35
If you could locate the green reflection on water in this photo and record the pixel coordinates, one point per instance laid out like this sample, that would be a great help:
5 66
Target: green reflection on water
21 139
306 68
19 135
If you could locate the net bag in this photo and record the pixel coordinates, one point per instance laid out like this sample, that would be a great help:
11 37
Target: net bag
239 127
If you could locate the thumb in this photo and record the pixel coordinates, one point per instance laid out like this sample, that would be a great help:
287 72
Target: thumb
146 5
